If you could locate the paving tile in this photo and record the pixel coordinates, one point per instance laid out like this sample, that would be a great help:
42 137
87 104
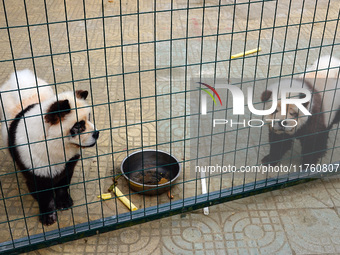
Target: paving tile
311 230
246 233
333 188
310 195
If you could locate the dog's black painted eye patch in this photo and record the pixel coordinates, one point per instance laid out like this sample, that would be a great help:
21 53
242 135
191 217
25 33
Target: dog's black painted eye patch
78 128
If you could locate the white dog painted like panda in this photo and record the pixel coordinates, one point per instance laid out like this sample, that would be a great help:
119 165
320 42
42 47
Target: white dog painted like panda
44 134
322 80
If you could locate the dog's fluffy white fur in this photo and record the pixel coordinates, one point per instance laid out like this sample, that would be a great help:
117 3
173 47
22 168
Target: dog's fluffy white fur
325 73
322 80
34 130
44 134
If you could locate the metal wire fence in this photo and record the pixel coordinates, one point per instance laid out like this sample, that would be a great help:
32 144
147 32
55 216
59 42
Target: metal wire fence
149 68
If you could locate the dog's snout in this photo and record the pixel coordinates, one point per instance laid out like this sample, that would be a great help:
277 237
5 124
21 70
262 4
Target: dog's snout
95 135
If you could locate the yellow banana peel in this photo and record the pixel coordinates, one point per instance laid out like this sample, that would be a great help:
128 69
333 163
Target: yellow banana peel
120 196
105 196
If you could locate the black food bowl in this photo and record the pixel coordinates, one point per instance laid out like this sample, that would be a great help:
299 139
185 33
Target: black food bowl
150 171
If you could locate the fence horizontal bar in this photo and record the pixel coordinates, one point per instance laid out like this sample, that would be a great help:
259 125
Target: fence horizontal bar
166 40
136 13
156 212
197 64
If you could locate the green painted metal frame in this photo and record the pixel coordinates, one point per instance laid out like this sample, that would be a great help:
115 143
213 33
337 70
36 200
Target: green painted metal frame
157 212
179 206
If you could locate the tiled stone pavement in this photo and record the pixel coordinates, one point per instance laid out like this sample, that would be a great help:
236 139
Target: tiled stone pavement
299 220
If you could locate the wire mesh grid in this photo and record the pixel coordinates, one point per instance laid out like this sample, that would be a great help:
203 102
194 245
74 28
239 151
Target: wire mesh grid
140 61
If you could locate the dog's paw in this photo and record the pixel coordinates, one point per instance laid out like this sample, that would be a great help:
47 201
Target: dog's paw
64 203
48 219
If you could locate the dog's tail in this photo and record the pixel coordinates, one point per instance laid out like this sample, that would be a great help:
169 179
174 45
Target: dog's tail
24 79
21 90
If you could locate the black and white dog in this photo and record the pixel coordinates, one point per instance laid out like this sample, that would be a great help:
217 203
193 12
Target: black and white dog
44 134
322 80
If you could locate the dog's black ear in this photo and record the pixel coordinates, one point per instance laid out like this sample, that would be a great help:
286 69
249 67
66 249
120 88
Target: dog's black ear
266 95
82 94
57 111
